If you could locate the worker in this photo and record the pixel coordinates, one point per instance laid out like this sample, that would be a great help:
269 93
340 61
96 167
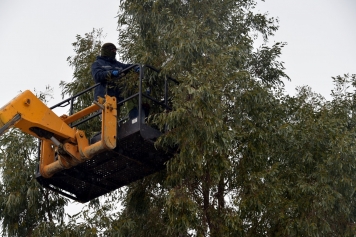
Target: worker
106 71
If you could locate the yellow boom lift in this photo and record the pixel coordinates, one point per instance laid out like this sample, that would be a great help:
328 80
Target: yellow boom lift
81 168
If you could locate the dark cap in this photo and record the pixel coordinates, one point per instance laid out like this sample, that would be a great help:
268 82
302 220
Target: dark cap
109 50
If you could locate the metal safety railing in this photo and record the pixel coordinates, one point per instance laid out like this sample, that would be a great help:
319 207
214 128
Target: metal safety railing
157 101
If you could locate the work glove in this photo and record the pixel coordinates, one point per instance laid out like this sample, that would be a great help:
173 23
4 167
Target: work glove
115 73
148 91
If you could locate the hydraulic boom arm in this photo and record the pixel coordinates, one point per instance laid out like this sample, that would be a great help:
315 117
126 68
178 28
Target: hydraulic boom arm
62 147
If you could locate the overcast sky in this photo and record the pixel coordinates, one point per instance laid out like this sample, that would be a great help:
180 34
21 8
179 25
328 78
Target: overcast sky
321 38
36 38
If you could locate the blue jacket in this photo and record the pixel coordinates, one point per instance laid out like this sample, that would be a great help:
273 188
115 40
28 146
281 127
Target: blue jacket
101 71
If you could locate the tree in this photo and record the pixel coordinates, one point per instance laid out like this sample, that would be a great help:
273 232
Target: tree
250 161
27 209
246 165
296 170
86 49
209 51
24 204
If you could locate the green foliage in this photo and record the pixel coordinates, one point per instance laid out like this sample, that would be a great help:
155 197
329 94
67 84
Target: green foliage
24 205
86 49
209 51
293 163
250 161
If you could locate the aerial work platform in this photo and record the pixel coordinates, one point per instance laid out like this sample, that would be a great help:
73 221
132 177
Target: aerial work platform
134 158
122 152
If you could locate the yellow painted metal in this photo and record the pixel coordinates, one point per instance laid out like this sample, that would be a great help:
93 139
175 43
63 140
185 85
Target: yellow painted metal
49 170
81 114
108 131
94 149
71 155
109 123
83 143
81 150
49 163
34 113
73 146
47 156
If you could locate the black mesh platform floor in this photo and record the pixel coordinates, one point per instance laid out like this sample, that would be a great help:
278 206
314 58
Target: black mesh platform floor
133 158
